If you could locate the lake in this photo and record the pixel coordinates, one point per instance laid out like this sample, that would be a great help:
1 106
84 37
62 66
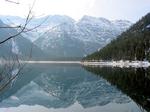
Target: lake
76 88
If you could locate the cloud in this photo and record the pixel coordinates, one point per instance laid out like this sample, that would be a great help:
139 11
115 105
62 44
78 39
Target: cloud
111 9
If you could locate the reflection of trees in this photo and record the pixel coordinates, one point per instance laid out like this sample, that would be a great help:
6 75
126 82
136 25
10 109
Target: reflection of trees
133 82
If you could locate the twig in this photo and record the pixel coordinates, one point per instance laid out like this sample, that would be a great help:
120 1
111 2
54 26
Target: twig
10 1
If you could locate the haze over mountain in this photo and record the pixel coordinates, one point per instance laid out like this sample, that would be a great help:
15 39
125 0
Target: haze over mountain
62 37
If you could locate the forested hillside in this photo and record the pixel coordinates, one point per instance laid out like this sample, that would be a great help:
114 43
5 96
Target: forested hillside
134 44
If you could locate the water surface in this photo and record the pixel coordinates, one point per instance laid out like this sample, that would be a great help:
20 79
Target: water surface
65 87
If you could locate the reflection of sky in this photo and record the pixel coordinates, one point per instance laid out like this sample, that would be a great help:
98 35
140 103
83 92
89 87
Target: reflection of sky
112 9
112 107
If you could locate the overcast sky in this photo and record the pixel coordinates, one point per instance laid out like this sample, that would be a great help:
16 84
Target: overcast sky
111 9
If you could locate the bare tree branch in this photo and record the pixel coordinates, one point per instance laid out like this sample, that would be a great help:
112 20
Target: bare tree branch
9 66
13 62
11 1
19 26
27 21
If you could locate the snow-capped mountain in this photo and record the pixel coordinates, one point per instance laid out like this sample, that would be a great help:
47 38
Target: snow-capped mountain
46 23
122 24
77 39
63 37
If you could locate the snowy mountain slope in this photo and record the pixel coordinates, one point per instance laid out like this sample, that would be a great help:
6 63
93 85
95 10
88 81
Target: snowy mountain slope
133 44
46 22
61 36
77 39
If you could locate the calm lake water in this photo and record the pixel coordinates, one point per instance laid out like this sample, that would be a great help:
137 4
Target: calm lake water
74 88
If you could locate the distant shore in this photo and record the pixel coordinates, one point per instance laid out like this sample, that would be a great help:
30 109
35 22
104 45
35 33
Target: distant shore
136 64
52 62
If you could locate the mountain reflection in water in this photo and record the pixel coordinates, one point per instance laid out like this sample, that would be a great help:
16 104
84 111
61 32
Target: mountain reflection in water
64 86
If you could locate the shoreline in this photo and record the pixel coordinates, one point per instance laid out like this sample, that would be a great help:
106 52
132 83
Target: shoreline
52 62
121 64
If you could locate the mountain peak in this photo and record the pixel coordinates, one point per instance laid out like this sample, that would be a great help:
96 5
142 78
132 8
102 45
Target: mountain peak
119 22
93 19
60 18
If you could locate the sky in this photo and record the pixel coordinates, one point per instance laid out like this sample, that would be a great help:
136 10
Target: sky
131 10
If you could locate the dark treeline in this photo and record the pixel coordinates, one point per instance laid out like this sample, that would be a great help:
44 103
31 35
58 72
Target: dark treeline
134 44
131 81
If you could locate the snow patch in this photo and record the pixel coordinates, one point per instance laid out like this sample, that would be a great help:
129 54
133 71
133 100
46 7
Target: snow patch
15 48
121 63
14 72
148 26
14 98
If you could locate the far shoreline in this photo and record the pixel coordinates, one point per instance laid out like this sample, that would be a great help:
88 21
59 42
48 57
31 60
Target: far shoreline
121 63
